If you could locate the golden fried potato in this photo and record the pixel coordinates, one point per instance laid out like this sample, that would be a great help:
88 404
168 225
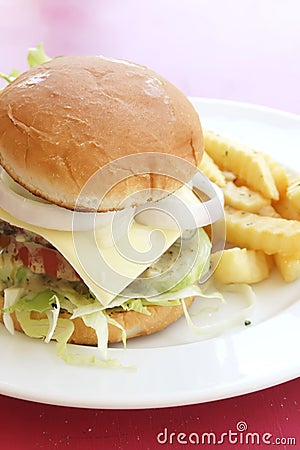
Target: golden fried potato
286 208
229 176
269 234
279 174
240 265
241 197
247 164
268 211
210 169
293 193
288 266
262 208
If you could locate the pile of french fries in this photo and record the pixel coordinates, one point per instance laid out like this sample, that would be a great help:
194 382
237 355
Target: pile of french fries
262 210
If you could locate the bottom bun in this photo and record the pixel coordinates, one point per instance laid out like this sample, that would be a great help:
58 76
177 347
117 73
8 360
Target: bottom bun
134 323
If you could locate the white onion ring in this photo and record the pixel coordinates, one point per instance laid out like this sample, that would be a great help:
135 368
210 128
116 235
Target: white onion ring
31 210
171 212
28 208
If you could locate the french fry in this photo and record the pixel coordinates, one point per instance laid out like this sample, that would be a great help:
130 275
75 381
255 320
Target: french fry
262 207
293 193
241 197
210 169
279 174
240 265
285 207
291 176
229 176
288 266
246 163
270 234
268 211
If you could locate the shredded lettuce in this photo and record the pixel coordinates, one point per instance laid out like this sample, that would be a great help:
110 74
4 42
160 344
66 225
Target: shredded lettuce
189 291
63 332
95 315
11 76
41 302
244 290
137 305
20 274
78 355
52 316
35 57
85 309
44 302
98 321
36 328
11 297
118 325
92 313
78 358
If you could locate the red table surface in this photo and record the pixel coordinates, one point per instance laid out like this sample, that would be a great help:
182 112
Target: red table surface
26 425
247 51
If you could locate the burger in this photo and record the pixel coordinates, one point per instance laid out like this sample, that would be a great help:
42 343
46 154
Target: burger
85 143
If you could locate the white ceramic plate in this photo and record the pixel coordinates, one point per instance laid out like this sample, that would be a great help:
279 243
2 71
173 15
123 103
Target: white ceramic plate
177 367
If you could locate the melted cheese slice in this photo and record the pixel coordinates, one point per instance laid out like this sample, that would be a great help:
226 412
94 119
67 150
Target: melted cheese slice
106 267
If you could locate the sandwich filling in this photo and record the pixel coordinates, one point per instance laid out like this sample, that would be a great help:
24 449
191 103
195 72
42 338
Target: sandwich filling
39 284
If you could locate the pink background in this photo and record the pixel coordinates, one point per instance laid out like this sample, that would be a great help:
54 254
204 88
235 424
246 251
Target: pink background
247 50
243 50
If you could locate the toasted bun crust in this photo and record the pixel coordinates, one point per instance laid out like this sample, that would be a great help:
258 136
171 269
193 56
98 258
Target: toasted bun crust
135 324
64 120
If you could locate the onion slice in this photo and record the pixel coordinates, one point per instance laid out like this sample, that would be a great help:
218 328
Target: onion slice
28 208
182 211
177 211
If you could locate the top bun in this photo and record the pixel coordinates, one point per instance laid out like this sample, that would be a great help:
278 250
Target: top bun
63 121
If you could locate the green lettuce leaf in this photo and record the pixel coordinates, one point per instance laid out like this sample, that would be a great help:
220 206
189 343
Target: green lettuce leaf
118 325
20 274
63 331
98 321
37 56
136 304
11 76
41 302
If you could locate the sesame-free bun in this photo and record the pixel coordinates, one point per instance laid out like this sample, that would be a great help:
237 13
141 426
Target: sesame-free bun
62 121
134 323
